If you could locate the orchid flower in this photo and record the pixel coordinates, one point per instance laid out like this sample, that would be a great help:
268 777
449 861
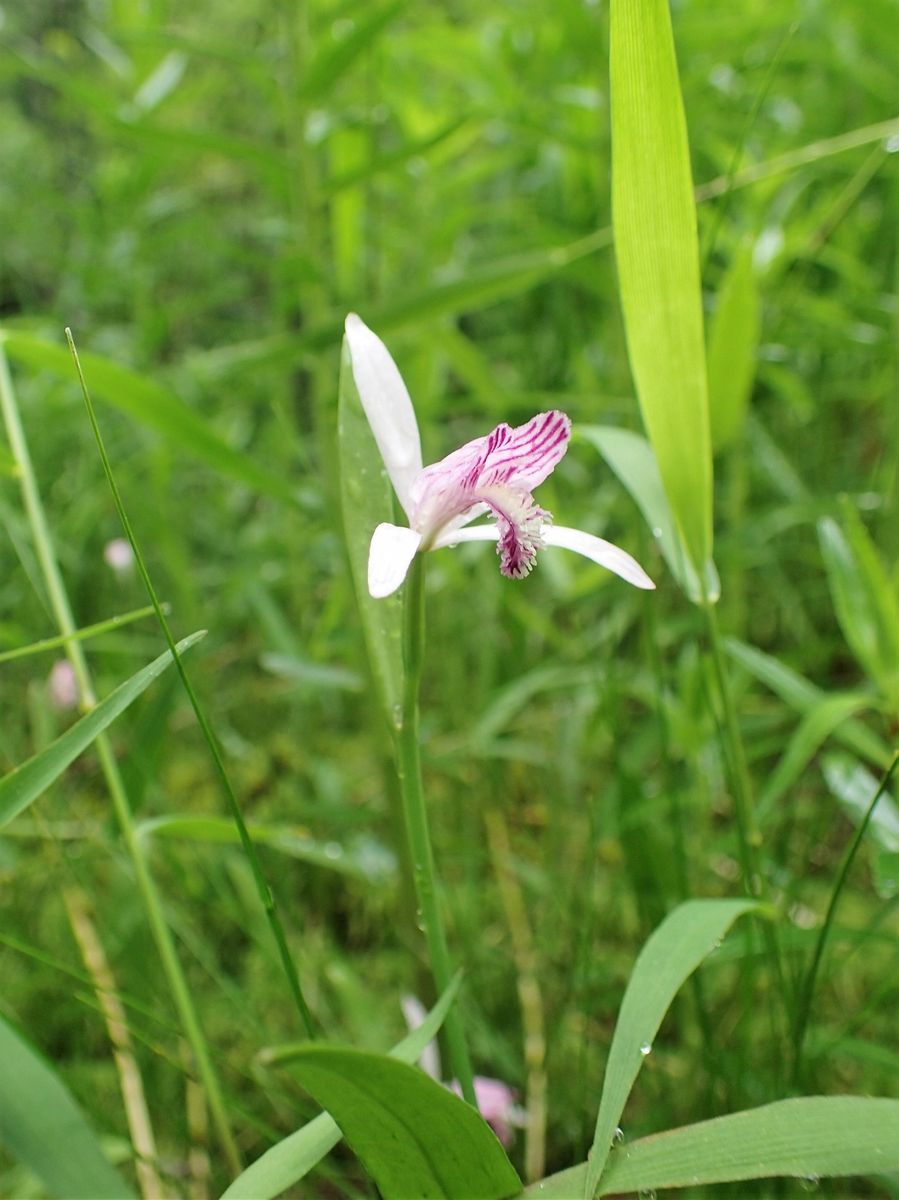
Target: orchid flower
492 475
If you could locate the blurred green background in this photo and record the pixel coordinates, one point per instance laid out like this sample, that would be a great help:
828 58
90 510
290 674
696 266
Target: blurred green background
202 192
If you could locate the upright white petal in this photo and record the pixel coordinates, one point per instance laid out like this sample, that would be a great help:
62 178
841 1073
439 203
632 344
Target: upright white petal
387 406
613 558
390 555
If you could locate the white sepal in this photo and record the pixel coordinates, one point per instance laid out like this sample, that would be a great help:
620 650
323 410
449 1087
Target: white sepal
390 555
387 406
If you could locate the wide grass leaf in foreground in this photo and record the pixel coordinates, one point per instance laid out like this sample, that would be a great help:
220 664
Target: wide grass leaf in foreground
27 782
808 1138
670 956
414 1137
42 1127
295 1156
657 251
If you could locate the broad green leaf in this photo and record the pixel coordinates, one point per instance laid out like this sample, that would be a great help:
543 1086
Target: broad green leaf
795 690
656 247
632 459
733 346
42 1127
412 1135
367 498
23 785
672 953
818 723
865 599
152 405
810 1138
288 1161
370 862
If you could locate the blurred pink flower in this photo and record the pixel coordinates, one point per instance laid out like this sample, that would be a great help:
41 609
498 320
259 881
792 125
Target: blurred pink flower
496 1100
63 686
119 555
492 475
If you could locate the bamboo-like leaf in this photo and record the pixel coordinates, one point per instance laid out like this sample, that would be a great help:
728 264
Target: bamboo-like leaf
152 405
42 1127
733 346
864 597
656 247
413 1136
794 689
288 1161
671 955
367 498
632 459
811 1138
815 727
23 785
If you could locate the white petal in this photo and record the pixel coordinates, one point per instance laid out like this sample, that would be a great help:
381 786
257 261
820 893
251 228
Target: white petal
471 533
599 551
387 406
390 554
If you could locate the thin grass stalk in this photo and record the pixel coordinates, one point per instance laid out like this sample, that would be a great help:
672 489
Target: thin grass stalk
265 893
62 612
530 997
131 1085
806 995
79 635
415 815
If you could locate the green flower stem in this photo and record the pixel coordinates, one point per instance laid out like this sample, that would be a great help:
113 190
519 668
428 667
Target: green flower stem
803 1008
408 757
62 613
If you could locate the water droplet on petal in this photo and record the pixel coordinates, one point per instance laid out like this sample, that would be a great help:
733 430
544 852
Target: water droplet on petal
656 533
646 1048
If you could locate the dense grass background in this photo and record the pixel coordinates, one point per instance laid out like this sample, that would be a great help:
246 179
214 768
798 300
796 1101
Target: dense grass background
201 193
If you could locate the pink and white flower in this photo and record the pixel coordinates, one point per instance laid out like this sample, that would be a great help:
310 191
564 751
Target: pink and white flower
493 475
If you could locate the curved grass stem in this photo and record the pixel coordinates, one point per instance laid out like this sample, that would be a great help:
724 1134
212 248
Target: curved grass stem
807 990
62 612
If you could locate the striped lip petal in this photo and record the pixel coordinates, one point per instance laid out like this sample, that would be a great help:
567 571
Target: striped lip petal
387 406
523 457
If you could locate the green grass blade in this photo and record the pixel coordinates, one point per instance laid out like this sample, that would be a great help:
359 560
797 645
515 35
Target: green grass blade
671 954
373 865
294 1157
338 55
632 459
265 893
413 1136
366 499
80 635
28 781
810 1138
152 405
42 1127
733 347
656 247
